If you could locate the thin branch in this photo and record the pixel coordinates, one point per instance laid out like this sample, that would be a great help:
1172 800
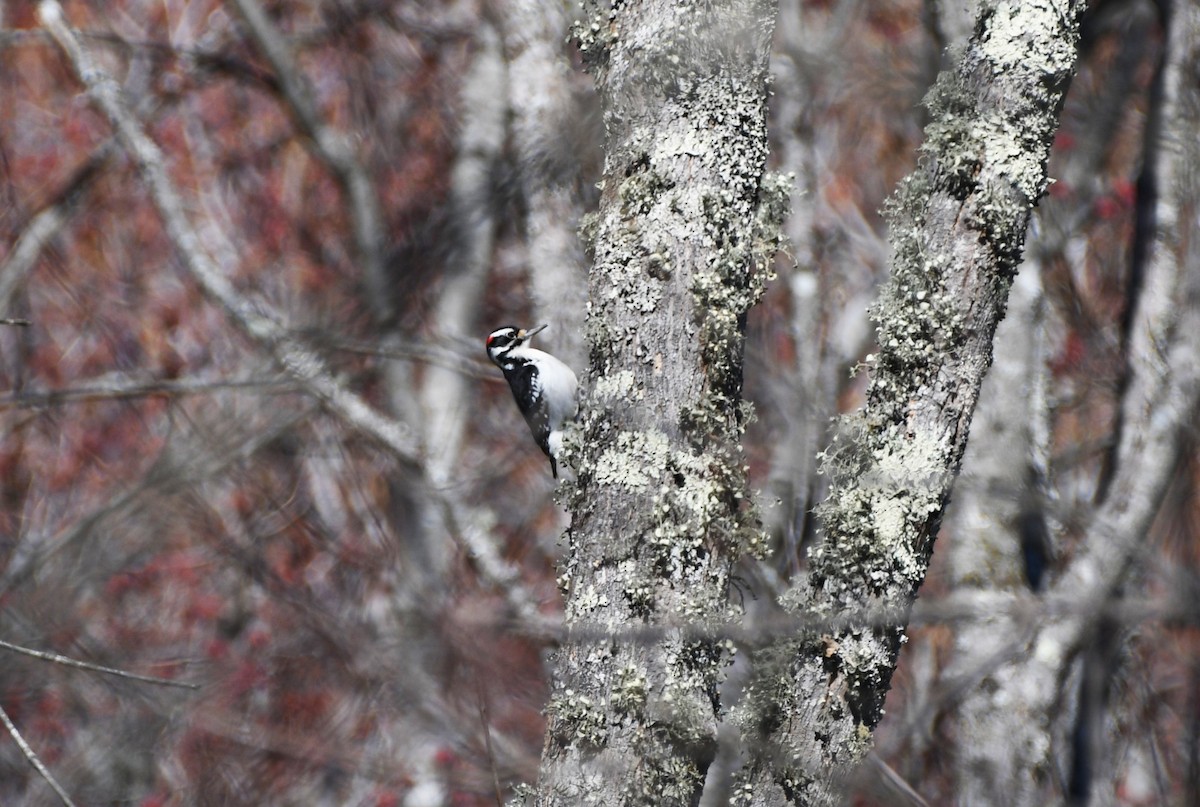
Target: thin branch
469 529
332 147
209 58
85 665
45 225
121 391
978 606
259 322
33 759
163 477
450 359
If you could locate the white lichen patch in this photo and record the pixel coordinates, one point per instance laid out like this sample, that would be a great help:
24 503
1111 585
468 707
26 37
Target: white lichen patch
629 690
633 288
891 516
701 496
636 460
915 466
585 601
1011 150
679 142
616 387
576 719
1007 44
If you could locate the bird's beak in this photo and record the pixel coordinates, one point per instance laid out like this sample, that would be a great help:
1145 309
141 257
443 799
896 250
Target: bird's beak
525 335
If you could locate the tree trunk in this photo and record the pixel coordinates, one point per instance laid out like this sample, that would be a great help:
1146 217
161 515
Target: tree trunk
683 236
1001 544
958 229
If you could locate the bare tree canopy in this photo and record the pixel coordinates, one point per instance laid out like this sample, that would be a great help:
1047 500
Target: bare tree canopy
883 487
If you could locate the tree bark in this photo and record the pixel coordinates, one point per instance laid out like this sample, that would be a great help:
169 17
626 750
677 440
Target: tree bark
958 229
685 230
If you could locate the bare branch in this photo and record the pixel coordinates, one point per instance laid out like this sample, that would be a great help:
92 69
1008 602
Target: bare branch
332 147
122 391
85 665
445 397
46 224
33 759
166 474
1164 384
958 228
262 325
542 112
458 358
994 608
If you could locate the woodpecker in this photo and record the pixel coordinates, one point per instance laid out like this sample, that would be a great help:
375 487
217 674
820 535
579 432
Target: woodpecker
543 386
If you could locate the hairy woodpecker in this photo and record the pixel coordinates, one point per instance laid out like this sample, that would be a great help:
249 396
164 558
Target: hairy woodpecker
543 386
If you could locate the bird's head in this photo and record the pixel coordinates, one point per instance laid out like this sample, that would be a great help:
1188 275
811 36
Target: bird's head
503 340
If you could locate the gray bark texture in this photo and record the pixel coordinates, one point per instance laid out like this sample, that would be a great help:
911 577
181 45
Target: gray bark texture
957 231
685 231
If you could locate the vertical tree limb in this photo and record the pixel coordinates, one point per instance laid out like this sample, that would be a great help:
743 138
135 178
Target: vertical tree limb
684 232
996 498
444 396
958 229
539 96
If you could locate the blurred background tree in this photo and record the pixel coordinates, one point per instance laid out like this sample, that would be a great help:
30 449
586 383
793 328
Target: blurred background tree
250 440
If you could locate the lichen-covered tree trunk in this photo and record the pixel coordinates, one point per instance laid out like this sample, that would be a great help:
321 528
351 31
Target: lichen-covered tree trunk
958 227
681 240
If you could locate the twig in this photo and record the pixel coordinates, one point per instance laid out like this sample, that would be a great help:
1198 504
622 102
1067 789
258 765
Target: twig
165 475
16 400
456 358
45 224
85 665
467 529
260 323
1023 609
33 759
332 147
